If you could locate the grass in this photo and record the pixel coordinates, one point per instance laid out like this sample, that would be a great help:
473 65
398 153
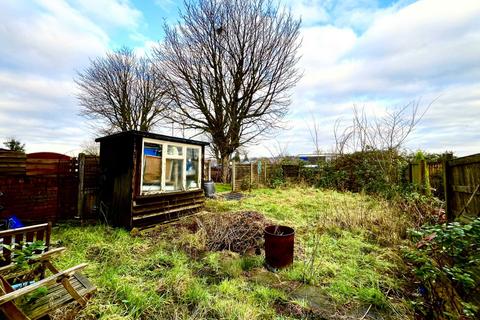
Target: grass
223 187
345 263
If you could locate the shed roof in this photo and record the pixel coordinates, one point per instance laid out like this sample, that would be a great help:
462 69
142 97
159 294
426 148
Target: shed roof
151 135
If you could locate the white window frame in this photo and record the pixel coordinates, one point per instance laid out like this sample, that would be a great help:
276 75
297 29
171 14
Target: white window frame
183 157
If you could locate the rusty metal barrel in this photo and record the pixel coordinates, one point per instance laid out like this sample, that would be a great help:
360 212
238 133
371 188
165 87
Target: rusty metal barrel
279 243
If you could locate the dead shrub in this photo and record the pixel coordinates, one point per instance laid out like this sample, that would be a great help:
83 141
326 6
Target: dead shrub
234 231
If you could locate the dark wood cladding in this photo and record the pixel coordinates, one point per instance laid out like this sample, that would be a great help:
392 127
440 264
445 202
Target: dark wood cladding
120 163
116 163
152 209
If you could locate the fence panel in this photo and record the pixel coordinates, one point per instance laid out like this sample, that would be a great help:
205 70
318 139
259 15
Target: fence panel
462 190
88 185
45 190
435 171
291 171
248 175
12 163
417 175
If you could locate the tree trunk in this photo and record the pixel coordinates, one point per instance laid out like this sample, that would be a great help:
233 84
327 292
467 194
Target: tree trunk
225 168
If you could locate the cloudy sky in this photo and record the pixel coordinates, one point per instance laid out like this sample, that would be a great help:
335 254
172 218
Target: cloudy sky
377 54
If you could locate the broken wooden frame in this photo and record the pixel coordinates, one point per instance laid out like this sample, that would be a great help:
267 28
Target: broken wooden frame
63 287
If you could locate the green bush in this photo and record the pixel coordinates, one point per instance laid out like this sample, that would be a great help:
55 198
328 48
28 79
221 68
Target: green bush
276 178
446 259
374 172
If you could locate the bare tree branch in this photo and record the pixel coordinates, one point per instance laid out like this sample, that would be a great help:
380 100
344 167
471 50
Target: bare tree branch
122 92
230 65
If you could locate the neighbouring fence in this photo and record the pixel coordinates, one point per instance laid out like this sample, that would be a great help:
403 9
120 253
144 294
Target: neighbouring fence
39 187
457 181
462 186
417 171
246 176
216 174
88 186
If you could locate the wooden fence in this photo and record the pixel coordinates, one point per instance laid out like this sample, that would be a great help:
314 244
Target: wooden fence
88 186
456 181
12 163
417 171
40 187
462 186
248 175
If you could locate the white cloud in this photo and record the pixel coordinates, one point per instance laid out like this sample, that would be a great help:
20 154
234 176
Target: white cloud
50 38
310 11
425 50
42 44
111 12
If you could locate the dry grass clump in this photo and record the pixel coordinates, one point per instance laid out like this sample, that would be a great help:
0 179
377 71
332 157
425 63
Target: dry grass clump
233 231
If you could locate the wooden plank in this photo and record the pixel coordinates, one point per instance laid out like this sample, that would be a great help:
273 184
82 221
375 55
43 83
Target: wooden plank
446 189
464 189
55 292
40 235
159 209
7 254
195 206
11 232
39 258
475 158
62 299
30 236
42 283
19 239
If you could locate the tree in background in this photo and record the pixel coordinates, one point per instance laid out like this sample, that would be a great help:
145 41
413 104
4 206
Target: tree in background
122 92
236 157
90 148
14 145
382 137
230 65
245 156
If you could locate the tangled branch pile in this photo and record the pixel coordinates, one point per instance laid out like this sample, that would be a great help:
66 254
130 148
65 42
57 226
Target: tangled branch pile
237 232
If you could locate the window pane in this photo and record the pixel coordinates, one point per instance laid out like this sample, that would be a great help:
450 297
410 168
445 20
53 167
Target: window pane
193 165
152 167
174 150
173 174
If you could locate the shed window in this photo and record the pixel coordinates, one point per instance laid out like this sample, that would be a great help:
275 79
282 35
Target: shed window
152 167
176 168
193 163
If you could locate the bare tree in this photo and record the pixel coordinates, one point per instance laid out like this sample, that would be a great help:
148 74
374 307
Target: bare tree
386 134
122 92
314 130
90 148
230 65
278 151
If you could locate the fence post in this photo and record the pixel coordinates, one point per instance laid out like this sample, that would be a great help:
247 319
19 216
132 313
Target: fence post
81 176
251 175
234 175
265 173
209 170
446 185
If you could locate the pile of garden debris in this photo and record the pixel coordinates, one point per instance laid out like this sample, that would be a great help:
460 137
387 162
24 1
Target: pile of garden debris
235 231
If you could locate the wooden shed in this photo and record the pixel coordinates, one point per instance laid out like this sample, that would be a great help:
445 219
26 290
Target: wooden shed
148 178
